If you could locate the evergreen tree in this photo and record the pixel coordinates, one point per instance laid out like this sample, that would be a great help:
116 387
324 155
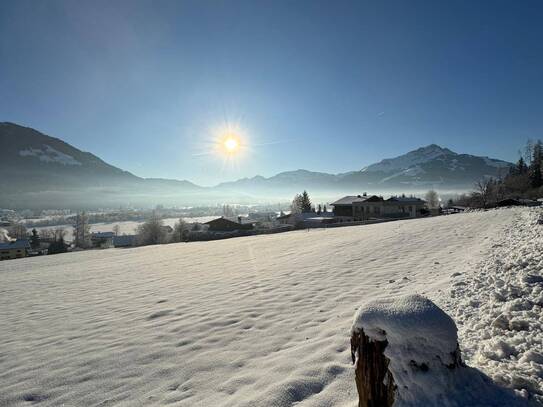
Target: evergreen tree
324 209
35 240
536 177
521 167
319 210
305 202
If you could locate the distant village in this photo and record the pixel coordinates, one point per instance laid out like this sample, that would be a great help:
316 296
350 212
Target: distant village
18 241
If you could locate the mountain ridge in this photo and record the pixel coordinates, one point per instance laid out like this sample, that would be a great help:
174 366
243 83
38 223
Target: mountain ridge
37 166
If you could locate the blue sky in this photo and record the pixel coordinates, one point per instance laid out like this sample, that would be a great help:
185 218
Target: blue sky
325 86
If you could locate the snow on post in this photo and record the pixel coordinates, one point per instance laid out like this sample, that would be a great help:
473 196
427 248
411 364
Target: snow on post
402 349
406 353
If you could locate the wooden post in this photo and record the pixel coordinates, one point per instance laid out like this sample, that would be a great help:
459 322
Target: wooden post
374 381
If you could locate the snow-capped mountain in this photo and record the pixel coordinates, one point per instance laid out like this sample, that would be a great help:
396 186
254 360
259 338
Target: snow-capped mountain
430 166
437 165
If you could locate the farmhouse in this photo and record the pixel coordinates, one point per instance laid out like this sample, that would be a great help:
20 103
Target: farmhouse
364 207
227 225
14 250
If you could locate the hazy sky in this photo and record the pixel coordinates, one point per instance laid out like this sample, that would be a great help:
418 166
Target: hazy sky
328 86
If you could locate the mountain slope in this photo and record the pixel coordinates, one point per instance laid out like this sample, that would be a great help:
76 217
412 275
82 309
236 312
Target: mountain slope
35 166
29 158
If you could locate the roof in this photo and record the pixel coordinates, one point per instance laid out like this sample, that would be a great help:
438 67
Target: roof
405 199
350 199
221 220
224 224
102 235
18 244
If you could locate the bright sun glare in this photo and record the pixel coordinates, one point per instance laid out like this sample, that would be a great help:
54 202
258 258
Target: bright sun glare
230 144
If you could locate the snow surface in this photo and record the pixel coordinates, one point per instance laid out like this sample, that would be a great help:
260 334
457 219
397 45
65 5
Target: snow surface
49 155
499 307
254 321
413 158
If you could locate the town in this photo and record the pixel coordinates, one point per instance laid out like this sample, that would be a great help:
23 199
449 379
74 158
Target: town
19 241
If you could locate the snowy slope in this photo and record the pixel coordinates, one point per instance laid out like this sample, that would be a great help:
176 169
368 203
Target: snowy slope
256 321
499 308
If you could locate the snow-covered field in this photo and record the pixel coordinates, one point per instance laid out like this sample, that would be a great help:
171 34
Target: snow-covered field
262 320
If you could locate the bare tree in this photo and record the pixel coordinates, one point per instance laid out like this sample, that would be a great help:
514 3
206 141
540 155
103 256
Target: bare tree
151 231
180 231
117 230
81 230
483 190
18 231
432 199
297 205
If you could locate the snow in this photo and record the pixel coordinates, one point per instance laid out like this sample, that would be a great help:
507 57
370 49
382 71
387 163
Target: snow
422 348
254 321
496 163
49 155
411 159
498 308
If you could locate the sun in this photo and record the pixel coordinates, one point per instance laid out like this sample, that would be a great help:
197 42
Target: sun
230 144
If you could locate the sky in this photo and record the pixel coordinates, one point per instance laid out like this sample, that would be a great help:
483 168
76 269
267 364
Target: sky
326 86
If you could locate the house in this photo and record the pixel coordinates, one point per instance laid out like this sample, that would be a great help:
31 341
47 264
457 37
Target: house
102 240
365 207
359 207
124 241
14 249
404 207
226 225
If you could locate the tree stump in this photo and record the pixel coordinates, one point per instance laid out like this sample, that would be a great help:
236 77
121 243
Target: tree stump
374 381
404 349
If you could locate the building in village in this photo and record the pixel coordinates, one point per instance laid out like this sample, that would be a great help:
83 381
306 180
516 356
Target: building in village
15 249
365 207
227 225
306 219
125 241
102 240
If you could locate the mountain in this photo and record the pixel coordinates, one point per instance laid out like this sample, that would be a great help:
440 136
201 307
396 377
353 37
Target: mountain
430 166
435 165
42 171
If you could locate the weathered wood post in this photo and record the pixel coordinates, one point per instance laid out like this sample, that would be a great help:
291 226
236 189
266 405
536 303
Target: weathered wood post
403 350
374 381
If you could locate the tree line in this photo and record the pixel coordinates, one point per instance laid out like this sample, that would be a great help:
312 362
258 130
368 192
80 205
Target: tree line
523 180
